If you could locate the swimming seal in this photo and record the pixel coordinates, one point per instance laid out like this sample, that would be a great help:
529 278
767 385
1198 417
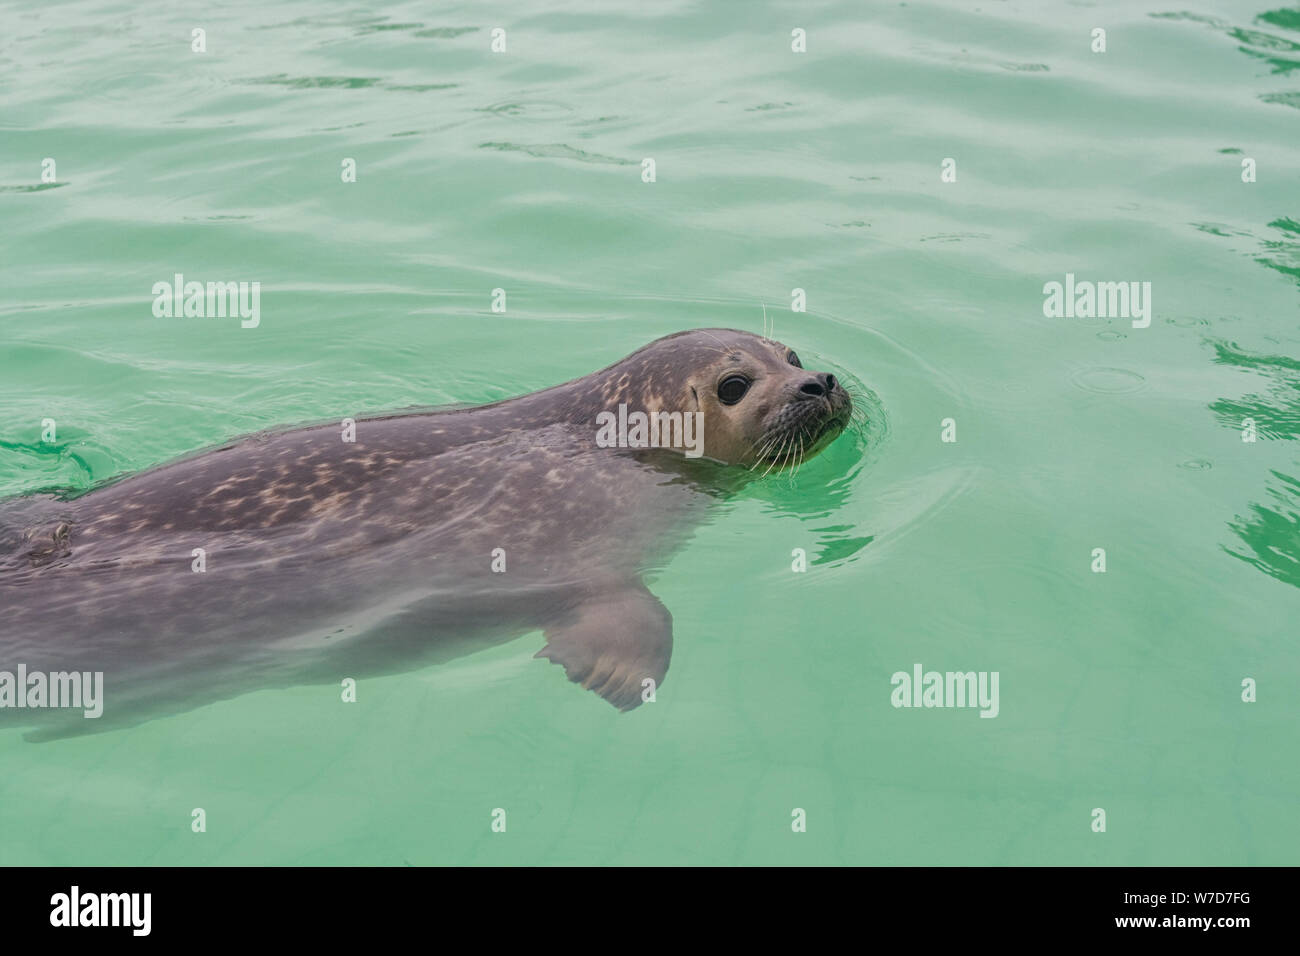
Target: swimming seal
300 557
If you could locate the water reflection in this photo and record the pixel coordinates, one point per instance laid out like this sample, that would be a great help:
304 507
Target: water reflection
1271 530
1272 533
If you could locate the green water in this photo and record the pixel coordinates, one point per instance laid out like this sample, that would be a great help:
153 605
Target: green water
774 170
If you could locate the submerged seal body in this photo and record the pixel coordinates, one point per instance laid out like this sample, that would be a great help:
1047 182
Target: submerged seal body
430 535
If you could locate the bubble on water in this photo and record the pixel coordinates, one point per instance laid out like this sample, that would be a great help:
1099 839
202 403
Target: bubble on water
1111 336
1108 381
1196 464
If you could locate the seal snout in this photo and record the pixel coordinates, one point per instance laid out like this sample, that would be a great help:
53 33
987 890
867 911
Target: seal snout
816 409
821 385
821 396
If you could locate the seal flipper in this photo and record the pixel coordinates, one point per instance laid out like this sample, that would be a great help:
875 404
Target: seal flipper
613 641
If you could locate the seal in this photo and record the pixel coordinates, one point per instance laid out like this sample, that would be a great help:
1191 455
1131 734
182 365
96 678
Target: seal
299 556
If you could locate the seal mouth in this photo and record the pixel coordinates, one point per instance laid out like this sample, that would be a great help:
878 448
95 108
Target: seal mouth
796 445
835 423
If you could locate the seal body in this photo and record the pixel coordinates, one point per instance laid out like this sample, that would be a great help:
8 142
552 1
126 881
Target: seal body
297 557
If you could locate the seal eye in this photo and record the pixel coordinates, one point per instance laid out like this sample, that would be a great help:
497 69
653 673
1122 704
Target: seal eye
793 359
732 389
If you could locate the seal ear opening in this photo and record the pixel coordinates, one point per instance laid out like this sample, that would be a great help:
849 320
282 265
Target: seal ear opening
612 643
695 395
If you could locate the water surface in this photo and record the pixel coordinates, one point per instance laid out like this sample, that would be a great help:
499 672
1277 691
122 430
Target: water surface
775 171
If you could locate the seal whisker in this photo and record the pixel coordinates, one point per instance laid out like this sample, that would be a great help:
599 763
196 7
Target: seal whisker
763 458
800 459
766 458
796 452
722 346
778 458
761 455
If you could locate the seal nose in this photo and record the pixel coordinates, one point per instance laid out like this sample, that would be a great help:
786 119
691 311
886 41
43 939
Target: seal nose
821 384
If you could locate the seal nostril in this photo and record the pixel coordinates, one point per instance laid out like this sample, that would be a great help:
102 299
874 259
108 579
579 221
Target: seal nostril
812 388
830 382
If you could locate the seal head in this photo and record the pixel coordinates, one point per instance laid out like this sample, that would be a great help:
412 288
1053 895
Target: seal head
760 407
